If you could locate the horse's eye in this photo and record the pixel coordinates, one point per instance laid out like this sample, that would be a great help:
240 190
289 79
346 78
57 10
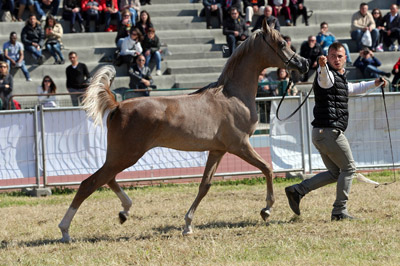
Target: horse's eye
283 44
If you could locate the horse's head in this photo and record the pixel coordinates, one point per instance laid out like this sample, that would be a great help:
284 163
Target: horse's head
282 56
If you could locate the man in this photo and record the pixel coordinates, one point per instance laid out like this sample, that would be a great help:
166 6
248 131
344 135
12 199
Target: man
331 115
363 21
32 36
235 30
310 50
140 76
392 28
213 7
253 7
77 78
368 64
14 55
271 20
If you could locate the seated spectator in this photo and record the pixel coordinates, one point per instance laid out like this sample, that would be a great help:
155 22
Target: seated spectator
235 30
271 20
32 36
144 23
110 9
362 21
145 2
297 8
14 55
253 7
91 11
396 78
368 64
265 90
310 50
8 5
47 87
392 28
288 40
54 32
226 6
281 7
380 25
283 75
72 12
151 49
77 78
43 7
6 85
123 28
212 7
133 6
140 75
22 6
325 38
131 47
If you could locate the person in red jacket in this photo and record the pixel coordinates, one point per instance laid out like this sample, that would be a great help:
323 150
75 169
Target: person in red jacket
92 10
110 9
396 78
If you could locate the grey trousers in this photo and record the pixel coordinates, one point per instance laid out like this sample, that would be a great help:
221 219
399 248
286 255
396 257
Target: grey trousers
76 99
338 159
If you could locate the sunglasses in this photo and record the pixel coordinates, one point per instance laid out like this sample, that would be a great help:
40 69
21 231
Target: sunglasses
47 80
3 66
141 60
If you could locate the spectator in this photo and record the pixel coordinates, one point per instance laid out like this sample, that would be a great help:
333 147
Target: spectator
297 8
396 78
151 49
368 64
32 36
265 90
9 6
110 9
54 32
145 2
288 40
271 20
77 78
392 28
144 23
253 7
72 12
92 10
14 55
362 21
213 7
6 85
47 87
325 38
380 25
235 30
283 78
140 75
281 7
226 6
131 47
123 28
133 6
22 6
46 6
310 50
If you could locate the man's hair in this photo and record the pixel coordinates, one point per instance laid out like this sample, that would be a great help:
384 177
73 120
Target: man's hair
71 53
335 46
323 23
12 33
363 4
233 8
287 38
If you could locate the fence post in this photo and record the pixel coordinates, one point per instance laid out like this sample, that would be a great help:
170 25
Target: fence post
36 128
303 148
309 134
43 144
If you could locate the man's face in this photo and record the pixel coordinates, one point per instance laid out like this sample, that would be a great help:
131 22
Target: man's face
3 68
337 58
32 20
140 61
13 38
73 58
364 10
393 9
312 41
47 2
234 14
267 12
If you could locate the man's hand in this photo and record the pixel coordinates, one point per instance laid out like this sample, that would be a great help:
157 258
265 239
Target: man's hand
322 60
145 82
380 82
236 33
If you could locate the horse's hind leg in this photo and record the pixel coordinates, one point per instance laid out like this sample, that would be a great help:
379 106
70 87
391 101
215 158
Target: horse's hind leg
125 200
213 160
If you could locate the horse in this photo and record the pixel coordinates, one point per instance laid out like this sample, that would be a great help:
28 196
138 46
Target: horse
218 118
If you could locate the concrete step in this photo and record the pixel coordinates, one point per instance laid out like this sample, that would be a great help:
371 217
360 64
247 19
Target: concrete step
195 80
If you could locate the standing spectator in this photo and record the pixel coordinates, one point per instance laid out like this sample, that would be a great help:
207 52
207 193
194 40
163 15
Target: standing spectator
6 85
151 49
133 6
131 47
144 23
44 6
368 64
92 11
281 7
297 8
271 20
72 12
123 28
362 21
140 75
110 9
380 25
226 6
310 50
54 32
213 7
253 7
32 36
77 78
22 6
396 78
14 55
235 30
47 87
392 28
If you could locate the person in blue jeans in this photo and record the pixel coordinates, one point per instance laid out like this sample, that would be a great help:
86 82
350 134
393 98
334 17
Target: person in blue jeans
368 64
54 33
44 6
151 49
32 36
22 6
14 55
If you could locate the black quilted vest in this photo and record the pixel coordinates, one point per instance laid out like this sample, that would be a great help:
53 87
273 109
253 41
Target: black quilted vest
331 108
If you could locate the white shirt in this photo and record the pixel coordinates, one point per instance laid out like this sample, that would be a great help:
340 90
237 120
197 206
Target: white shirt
130 47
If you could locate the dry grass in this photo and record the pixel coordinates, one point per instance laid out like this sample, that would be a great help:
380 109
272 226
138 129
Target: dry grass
228 229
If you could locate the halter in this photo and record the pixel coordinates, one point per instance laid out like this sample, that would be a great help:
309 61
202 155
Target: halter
286 61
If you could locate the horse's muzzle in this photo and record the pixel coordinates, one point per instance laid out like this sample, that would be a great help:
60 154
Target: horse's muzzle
299 63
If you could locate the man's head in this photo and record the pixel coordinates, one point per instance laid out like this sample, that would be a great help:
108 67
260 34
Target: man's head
141 61
234 13
268 11
73 57
336 56
32 19
394 9
13 37
3 68
324 26
363 9
312 41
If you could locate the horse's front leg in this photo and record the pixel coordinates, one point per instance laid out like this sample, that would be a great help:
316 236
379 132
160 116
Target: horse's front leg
125 200
213 161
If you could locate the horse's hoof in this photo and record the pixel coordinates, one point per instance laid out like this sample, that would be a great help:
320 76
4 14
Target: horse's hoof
122 217
187 231
265 213
65 239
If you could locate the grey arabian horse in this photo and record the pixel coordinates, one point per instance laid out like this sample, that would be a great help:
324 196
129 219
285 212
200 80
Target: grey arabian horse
218 118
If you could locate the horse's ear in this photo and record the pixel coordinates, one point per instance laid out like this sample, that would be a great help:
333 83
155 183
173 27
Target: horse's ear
267 28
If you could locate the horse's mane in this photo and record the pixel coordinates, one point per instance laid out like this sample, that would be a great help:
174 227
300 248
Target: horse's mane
212 86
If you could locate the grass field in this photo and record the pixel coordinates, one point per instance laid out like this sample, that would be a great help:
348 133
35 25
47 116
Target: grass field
228 228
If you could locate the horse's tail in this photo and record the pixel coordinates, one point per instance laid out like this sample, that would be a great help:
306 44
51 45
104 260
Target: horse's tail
98 96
